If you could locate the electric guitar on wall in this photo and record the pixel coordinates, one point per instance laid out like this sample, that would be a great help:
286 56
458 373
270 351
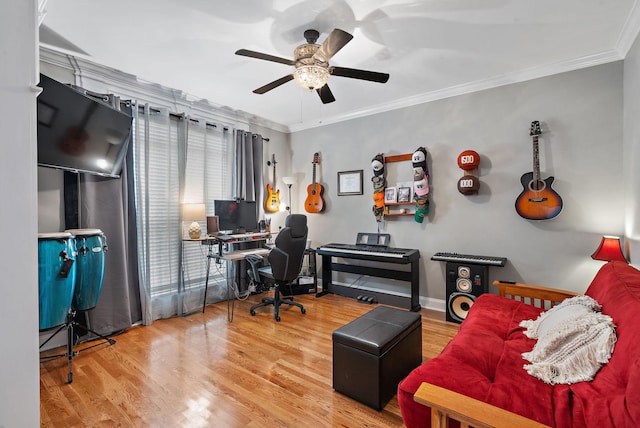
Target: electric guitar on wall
272 202
314 202
538 201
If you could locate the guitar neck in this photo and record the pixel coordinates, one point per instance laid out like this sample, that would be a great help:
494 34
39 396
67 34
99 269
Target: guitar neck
536 160
273 160
314 174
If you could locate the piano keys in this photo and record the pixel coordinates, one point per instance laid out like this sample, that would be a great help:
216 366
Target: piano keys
467 258
371 252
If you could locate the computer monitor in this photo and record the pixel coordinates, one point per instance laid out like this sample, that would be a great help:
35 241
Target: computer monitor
236 216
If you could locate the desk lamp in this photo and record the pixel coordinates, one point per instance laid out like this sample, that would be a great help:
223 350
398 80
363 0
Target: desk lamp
289 181
609 250
194 213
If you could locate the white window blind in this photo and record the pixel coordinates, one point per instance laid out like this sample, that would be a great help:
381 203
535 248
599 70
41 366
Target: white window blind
157 198
207 178
161 143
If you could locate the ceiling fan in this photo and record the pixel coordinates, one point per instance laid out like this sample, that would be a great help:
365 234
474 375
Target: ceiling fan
311 62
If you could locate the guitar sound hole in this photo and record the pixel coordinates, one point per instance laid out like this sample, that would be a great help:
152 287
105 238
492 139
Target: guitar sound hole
537 186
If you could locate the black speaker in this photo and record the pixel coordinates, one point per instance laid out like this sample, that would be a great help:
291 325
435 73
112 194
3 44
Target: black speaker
465 282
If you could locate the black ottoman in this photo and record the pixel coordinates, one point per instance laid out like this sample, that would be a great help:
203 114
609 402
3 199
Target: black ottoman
374 352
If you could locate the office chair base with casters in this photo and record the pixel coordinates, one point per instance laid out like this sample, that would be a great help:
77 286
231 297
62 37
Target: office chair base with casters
276 301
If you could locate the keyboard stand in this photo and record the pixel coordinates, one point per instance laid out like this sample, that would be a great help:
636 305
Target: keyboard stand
412 302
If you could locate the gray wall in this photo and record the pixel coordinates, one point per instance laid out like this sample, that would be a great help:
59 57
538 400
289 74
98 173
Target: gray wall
581 145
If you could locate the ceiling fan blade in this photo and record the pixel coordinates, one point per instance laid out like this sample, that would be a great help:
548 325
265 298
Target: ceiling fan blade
332 44
273 85
266 57
325 94
359 74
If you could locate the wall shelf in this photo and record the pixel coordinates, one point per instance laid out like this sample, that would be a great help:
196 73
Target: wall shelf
399 214
388 213
397 204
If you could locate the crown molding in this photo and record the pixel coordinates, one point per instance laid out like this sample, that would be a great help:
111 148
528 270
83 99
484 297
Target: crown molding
93 76
630 31
478 85
130 86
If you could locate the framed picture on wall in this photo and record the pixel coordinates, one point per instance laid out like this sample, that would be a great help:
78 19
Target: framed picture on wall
390 194
404 194
350 182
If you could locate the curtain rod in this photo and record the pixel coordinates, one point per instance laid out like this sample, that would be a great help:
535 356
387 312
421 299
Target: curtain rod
255 135
182 116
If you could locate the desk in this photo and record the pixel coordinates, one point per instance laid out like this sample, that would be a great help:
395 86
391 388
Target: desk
241 254
235 256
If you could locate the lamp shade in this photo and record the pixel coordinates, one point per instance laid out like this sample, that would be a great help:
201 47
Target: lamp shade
288 180
609 250
194 213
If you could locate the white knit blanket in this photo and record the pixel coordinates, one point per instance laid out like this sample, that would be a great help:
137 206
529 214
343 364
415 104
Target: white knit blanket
574 341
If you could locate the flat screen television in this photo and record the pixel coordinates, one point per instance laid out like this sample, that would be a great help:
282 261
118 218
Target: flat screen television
236 216
77 132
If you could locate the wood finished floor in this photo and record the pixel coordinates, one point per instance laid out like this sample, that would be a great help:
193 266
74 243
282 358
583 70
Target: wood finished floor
203 371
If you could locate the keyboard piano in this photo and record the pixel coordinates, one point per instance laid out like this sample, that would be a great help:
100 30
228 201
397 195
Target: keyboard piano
332 253
370 252
467 258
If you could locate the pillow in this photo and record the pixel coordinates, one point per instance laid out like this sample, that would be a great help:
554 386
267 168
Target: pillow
566 310
574 341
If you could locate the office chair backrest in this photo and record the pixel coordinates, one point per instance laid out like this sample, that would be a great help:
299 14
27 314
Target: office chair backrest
286 259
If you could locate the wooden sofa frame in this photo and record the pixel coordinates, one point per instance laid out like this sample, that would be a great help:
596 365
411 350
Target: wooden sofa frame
469 412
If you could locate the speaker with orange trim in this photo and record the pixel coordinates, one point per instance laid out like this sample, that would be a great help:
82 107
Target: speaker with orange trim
465 283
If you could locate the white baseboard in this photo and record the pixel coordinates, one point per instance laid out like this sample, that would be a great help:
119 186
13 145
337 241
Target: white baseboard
433 304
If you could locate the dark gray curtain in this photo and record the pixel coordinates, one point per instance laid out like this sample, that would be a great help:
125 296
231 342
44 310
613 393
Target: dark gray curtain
248 185
248 182
95 202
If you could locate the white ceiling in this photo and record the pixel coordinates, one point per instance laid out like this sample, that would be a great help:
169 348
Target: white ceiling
431 48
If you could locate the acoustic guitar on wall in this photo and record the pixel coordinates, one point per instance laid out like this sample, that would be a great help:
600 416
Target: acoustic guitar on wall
314 202
272 202
538 201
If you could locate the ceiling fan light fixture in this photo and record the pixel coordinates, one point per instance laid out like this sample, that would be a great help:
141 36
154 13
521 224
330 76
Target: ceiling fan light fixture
311 65
311 76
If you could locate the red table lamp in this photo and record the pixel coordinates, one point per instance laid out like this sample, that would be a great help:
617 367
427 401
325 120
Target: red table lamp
609 250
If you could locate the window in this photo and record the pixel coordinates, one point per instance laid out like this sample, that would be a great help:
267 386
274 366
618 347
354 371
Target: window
176 160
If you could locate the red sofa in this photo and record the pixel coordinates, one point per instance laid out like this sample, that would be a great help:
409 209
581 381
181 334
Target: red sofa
484 361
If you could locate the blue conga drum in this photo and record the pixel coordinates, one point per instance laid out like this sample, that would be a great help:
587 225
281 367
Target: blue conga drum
56 277
90 248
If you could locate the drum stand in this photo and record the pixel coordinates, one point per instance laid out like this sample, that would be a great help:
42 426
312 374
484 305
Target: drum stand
69 323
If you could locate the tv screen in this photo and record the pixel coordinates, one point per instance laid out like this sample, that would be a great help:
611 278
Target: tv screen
79 133
236 216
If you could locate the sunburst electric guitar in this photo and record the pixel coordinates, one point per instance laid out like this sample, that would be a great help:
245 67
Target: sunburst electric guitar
314 202
538 201
272 202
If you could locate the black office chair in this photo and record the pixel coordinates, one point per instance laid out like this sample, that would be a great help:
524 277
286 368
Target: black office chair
285 264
